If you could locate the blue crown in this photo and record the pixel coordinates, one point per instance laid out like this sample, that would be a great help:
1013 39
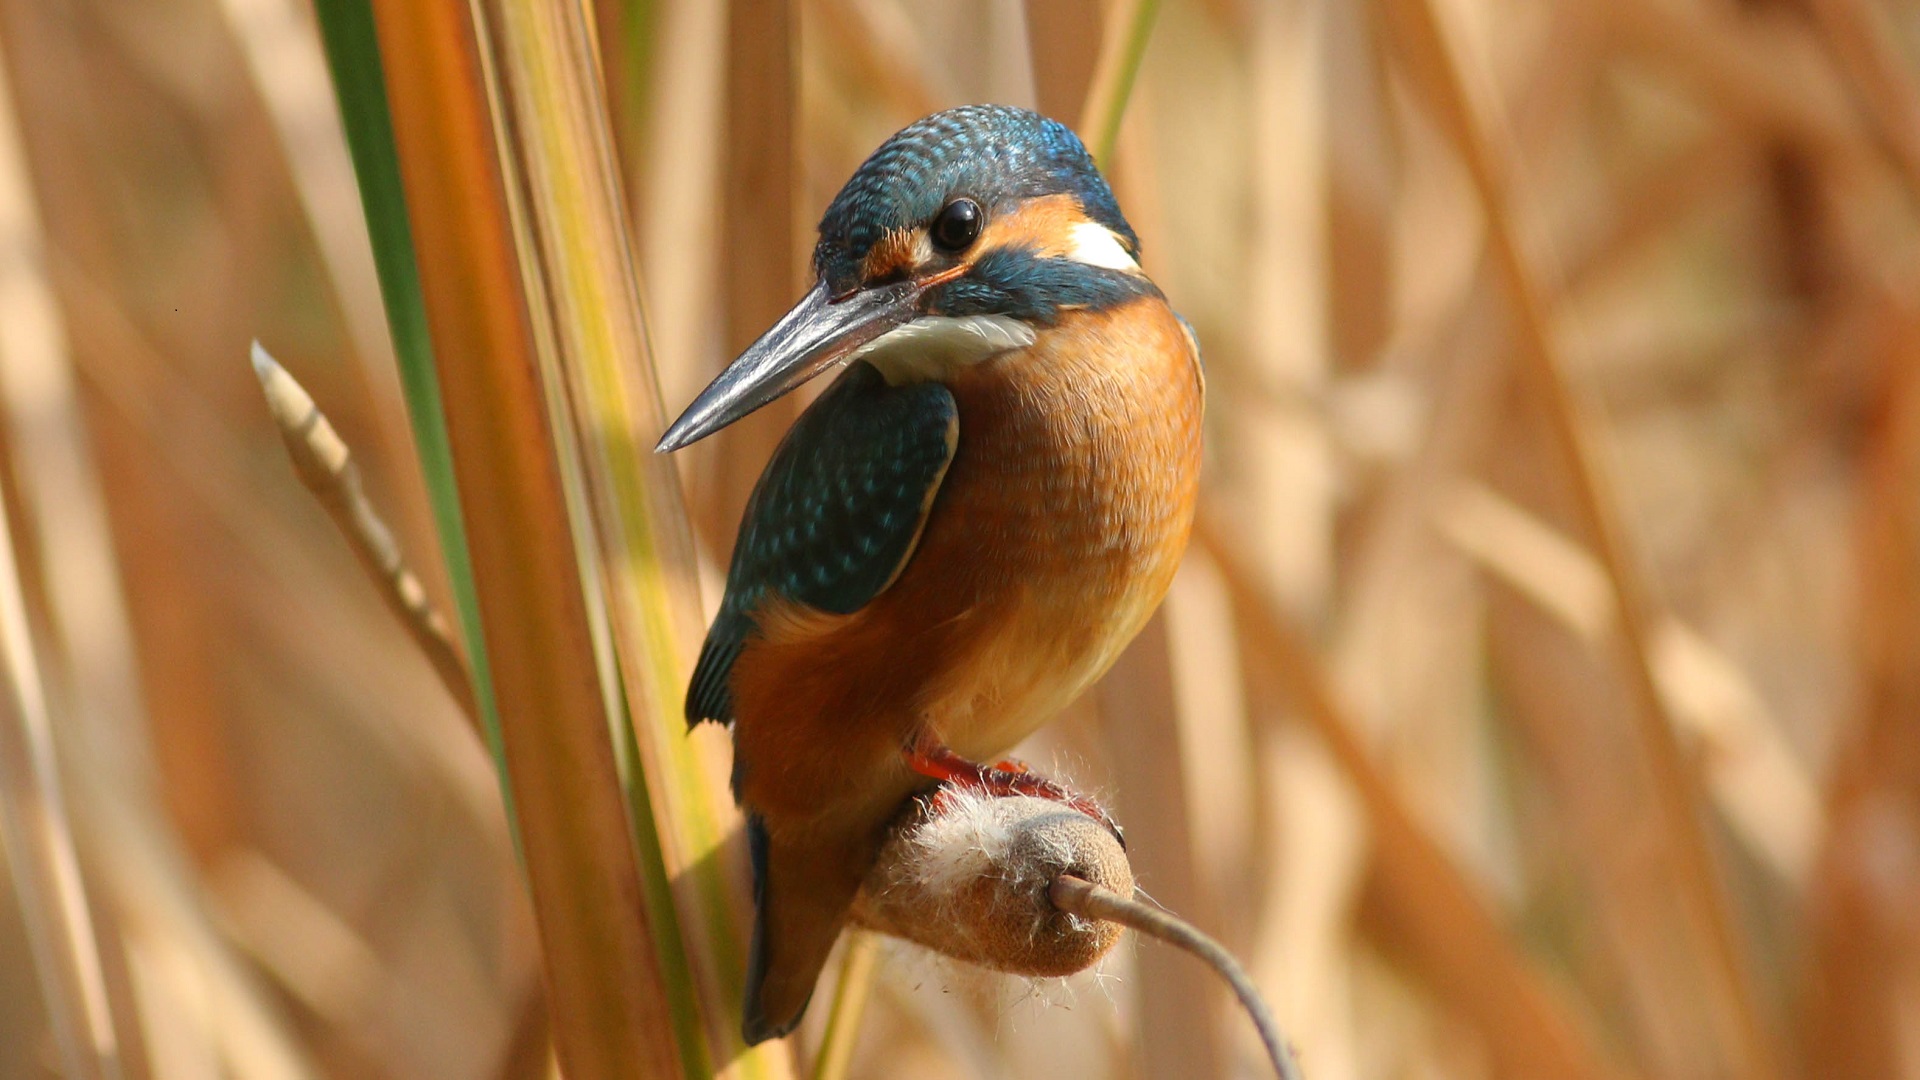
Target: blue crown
994 154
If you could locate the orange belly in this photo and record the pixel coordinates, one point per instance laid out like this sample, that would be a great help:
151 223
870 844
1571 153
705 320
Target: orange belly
1053 537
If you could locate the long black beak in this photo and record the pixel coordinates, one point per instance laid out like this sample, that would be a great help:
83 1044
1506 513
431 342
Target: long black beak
818 333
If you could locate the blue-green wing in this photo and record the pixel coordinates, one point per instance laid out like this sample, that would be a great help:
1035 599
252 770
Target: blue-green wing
834 517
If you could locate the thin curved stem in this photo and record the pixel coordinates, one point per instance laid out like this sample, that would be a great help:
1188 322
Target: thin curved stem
1089 901
326 466
1486 150
850 999
1129 27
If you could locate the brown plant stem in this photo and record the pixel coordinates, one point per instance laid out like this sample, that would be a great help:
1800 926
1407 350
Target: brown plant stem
1128 27
1486 151
1453 929
613 1013
325 464
36 832
850 998
1089 901
1868 58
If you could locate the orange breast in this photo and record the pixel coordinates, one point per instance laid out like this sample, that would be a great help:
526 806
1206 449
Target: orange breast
1053 537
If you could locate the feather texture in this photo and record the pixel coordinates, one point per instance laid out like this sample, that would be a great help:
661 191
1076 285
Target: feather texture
834 517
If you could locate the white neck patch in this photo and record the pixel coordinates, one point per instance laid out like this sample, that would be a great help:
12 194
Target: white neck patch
1094 244
933 346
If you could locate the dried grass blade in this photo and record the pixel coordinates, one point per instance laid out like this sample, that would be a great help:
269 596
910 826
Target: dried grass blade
613 1012
1447 922
1064 52
760 242
1123 44
1864 44
40 849
1181 1026
1758 782
851 993
636 536
353 56
1489 160
39 841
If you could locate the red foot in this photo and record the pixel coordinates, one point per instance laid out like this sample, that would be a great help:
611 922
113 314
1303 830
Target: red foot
1009 777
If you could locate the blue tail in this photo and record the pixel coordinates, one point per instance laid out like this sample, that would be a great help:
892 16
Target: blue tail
801 894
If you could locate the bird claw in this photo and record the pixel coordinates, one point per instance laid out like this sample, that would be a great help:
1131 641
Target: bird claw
1009 777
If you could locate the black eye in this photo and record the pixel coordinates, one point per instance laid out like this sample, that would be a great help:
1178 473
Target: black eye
957 226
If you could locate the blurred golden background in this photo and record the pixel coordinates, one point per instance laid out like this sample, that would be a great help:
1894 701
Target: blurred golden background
1541 696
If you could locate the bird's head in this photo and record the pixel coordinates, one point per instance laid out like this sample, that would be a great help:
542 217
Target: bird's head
956 240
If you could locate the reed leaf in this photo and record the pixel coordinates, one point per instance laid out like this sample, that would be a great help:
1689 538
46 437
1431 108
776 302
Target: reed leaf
41 854
1446 922
36 833
1480 131
633 526
614 1012
1129 26
353 54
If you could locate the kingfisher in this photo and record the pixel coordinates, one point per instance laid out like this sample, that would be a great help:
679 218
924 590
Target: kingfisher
961 534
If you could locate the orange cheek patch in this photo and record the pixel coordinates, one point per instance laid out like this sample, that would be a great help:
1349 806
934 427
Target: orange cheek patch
897 253
1043 225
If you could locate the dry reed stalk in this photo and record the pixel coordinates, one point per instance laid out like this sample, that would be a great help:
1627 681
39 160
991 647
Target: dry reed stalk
1754 69
41 855
214 615
1757 782
611 1008
1064 41
66 566
1125 31
676 192
1358 188
275 568
312 953
761 244
1277 462
1090 901
1455 938
596 363
61 110
879 56
188 976
1657 202
1569 60
1868 56
42 447
1147 737
1182 1012
1490 162
1470 380
859 963
1181 1025
1856 988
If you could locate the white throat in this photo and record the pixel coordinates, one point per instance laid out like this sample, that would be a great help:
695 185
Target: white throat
935 346
1096 245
